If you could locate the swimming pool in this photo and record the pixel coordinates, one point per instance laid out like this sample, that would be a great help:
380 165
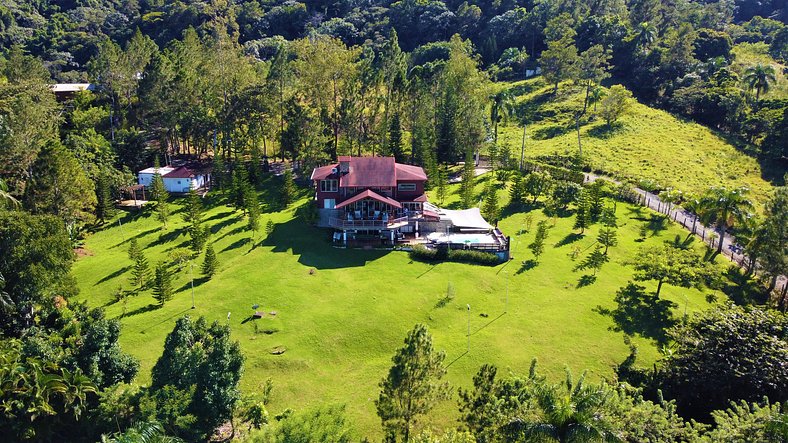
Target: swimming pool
460 239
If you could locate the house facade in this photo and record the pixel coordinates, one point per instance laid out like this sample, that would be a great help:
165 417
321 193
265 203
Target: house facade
370 195
176 179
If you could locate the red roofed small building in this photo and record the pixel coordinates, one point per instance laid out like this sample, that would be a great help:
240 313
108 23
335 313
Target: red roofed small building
369 194
176 179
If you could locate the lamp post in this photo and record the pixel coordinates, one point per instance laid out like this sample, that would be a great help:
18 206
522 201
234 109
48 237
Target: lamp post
191 276
469 328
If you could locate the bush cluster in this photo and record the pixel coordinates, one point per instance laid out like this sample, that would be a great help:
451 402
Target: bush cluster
423 253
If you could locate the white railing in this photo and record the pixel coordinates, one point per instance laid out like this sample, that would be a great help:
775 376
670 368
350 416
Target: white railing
365 224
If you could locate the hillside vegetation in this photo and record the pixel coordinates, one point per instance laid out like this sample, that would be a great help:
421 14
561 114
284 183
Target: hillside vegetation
646 145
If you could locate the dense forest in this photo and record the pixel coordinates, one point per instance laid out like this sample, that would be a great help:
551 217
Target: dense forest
239 84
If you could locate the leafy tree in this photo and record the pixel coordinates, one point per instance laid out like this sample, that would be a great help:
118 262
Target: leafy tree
616 103
728 353
759 77
594 260
210 263
537 246
162 284
37 257
501 108
193 215
490 208
413 384
559 61
536 184
725 208
773 239
59 186
198 375
592 66
563 193
670 264
582 213
325 423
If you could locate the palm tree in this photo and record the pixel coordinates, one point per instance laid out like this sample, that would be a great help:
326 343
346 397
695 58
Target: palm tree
725 208
142 432
501 109
646 34
569 413
760 78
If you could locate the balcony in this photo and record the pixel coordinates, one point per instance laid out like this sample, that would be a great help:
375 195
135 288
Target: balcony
366 224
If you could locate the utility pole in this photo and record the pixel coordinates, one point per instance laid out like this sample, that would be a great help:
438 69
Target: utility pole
191 276
469 328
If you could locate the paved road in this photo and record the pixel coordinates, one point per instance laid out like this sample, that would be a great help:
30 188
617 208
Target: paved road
710 236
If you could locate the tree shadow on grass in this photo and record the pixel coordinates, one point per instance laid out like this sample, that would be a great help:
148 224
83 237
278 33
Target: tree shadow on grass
147 308
605 132
221 215
743 289
569 239
236 244
188 285
657 224
586 280
168 237
115 274
640 312
215 228
527 266
313 246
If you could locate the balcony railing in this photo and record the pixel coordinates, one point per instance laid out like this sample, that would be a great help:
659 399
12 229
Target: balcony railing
340 223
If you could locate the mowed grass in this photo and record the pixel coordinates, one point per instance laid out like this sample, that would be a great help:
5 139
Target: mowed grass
646 144
342 313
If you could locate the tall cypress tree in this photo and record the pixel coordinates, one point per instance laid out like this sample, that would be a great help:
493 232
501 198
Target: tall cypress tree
211 263
468 179
105 207
582 215
139 271
395 138
193 216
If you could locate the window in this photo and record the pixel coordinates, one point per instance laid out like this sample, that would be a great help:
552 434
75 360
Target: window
406 187
328 185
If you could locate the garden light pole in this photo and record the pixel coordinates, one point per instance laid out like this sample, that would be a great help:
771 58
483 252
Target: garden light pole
191 276
469 328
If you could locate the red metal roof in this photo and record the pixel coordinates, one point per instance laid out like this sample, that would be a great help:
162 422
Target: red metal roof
409 172
370 172
322 172
181 172
373 196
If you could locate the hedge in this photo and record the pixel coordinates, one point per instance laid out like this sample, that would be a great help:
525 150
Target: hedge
422 253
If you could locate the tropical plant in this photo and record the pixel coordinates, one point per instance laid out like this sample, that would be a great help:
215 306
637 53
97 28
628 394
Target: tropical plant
725 208
759 77
501 108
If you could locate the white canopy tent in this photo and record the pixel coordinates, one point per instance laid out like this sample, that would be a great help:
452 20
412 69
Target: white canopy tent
467 219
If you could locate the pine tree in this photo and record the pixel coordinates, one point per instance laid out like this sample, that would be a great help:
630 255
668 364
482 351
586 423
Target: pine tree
490 207
468 180
210 264
582 216
139 271
240 188
219 173
537 247
252 212
594 260
193 216
269 227
607 237
395 138
609 218
162 284
134 249
287 193
595 200
105 207
516 192
442 183
159 194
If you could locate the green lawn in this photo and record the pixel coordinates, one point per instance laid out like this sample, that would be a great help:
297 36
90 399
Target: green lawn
341 323
645 144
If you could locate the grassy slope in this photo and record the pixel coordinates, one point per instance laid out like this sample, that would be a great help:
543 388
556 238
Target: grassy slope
646 144
341 325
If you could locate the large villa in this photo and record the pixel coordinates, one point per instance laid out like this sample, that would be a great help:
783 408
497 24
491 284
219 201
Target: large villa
377 200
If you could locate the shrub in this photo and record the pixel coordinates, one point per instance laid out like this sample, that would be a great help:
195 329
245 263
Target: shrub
423 253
